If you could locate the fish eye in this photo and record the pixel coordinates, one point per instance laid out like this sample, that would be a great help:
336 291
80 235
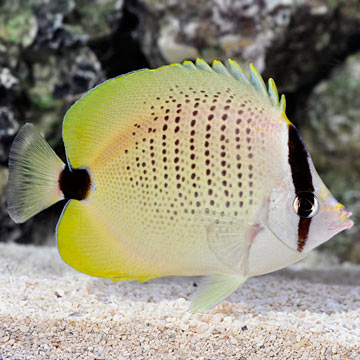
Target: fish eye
306 205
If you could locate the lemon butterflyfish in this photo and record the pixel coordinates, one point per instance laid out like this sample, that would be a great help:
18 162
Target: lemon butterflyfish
184 170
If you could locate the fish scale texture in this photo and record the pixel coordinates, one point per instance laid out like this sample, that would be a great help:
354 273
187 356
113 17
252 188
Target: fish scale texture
172 151
49 311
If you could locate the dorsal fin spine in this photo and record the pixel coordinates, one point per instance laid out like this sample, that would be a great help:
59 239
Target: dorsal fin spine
237 71
283 103
273 93
258 82
220 68
189 64
203 65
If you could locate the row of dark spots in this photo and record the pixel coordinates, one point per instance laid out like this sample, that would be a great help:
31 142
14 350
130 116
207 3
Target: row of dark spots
223 163
193 176
208 162
250 157
240 120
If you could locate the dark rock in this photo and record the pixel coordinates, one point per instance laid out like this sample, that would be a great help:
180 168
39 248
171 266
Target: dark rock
332 132
8 125
52 52
289 40
46 63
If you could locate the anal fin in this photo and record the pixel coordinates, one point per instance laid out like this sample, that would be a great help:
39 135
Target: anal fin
214 290
86 243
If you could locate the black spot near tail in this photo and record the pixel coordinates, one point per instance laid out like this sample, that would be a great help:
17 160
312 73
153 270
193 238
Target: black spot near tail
75 183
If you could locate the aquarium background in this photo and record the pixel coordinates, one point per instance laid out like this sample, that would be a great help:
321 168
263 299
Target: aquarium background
52 52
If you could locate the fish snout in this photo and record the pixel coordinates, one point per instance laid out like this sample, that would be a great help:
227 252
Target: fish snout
342 222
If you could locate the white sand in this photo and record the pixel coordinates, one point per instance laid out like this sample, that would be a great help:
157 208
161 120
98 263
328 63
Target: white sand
49 311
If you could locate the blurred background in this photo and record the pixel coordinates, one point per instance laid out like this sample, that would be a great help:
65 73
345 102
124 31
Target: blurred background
53 51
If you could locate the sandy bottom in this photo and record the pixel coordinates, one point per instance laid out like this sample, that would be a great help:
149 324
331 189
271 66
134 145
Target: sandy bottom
50 311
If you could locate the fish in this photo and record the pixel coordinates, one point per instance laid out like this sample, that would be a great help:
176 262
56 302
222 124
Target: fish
190 169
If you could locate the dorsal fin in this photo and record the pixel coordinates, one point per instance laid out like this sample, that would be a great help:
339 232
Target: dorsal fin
283 103
203 65
189 64
258 82
273 93
237 72
269 94
220 68
103 117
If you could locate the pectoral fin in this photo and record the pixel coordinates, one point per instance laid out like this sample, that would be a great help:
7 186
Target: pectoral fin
230 242
214 290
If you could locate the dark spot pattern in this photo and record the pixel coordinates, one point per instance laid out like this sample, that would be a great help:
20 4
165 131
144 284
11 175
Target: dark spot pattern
191 149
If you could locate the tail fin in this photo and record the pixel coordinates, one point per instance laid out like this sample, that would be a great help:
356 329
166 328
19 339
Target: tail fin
34 171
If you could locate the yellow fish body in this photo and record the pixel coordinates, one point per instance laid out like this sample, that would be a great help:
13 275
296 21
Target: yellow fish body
183 170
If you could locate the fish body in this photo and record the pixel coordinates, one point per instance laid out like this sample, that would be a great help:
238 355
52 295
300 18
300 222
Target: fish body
183 170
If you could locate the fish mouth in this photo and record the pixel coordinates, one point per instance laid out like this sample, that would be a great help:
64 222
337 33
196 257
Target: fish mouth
343 221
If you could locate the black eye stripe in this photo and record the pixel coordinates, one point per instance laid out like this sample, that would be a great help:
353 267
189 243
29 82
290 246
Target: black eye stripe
302 178
303 232
299 163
